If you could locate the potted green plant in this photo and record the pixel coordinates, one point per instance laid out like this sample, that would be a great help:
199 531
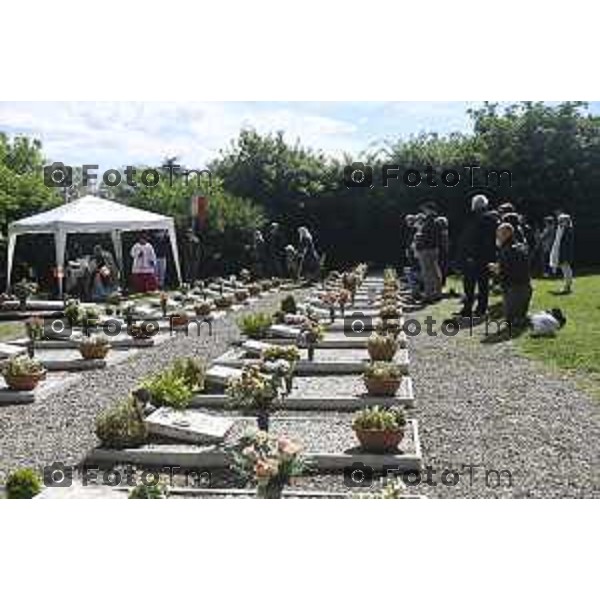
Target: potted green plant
255 392
90 317
23 290
73 312
122 426
379 430
255 325
94 346
382 378
382 347
148 492
23 484
23 374
288 305
268 461
34 326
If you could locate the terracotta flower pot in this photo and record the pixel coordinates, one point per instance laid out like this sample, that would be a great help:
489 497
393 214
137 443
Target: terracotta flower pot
382 387
94 352
379 441
179 320
381 354
24 383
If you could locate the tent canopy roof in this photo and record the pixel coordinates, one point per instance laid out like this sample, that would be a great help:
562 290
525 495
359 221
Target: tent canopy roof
91 214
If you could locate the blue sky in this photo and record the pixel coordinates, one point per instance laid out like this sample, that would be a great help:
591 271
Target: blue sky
114 134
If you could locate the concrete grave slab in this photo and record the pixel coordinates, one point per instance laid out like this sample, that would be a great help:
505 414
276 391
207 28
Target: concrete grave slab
404 397
284 331
11 350
191 426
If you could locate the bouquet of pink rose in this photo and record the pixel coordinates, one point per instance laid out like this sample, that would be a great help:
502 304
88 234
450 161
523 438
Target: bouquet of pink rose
268 461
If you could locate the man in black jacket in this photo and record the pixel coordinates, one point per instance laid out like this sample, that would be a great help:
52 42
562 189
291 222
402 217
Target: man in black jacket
477 248
512 270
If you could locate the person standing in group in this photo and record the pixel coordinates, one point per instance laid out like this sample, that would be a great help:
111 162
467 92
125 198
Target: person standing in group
276 250
546 241
161 248
477 248
258 255
291 262
309 266
427 247
444 249
412 268
563 251
512 270
143 270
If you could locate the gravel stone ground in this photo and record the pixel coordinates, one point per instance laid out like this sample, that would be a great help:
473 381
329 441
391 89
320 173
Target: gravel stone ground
484 404
61 427
492 424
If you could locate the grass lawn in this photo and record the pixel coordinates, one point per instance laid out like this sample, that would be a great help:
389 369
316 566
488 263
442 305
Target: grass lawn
11 330
576 347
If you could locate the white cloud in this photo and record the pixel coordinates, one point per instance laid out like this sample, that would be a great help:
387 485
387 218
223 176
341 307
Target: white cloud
113 134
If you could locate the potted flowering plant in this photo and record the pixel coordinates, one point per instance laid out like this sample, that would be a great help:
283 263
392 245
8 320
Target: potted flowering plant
241 295
255 289
350 282
22 290
179 318
290 354
379 430
34 327
389 327
382 347
382 378
311 333
202 309
256 392
344 298
268 461
330 299
22 373
389 311
224 301
94 346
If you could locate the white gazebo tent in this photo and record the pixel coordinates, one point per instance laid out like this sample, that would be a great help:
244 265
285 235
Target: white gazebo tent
89 215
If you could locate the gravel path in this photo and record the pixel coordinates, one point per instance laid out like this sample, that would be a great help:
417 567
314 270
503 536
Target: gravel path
483 404
61 427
